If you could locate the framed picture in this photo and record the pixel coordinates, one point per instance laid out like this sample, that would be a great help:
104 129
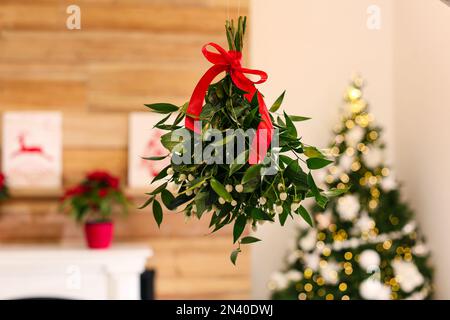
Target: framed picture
32 144
144 141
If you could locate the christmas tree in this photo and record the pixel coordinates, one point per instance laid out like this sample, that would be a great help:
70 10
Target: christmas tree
366 244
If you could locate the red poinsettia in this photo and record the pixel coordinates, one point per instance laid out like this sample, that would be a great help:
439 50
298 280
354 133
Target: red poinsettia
95 197
3 187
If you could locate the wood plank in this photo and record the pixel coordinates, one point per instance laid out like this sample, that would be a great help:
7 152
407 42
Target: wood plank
208 288
95 130
128 87
77 162
141 224
181 257
102 47
48 94
117 15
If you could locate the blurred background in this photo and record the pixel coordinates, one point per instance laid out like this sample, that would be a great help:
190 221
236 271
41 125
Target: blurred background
131 52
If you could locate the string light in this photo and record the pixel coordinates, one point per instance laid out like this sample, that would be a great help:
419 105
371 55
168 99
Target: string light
343 287
329 296
308 287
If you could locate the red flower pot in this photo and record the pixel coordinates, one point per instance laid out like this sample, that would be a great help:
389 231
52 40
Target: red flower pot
99 235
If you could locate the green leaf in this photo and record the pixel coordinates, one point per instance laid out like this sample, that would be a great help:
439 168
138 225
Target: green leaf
234 255
292 130
220 190
298 118
200 203
254 172
320 199
162 120
158 190
335 192
248 240
258 214
157 212
168 143
317 163
305 215
313 152
277 104
156 158
162 107
239 162
283 216
167 198
239 226
178 201
162 174
149 200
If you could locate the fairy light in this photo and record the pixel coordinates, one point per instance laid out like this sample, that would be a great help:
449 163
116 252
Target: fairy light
348 255
354 94
373 204
341 186
308 273
308 287
345 297
302 296
344 178
329 296
343 287
349 124
373 135
361 147
387 244
355 166
350 152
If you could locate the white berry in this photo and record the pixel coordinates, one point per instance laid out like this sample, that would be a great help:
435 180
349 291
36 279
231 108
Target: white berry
234 203
229 187
295 206
170 171
239 188
222 200
283 196
280 186
189 193
262 201
279 209
182 177
191 177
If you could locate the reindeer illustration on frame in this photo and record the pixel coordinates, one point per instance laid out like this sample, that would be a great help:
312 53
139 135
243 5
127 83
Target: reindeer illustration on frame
144 142
32 149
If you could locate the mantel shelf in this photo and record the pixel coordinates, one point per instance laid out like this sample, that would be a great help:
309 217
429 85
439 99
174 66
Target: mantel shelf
51 193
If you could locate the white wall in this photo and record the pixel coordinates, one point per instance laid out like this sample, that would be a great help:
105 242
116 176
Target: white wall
422 116
311 48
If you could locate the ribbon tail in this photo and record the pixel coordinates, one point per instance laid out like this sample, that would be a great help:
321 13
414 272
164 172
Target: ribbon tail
264 132
198 96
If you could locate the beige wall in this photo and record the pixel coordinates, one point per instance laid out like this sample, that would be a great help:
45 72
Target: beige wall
422 114
310 48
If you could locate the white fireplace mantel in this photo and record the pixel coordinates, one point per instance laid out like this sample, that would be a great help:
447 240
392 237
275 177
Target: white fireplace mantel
71 272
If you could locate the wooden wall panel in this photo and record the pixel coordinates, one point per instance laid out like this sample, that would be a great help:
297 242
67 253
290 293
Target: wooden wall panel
128 52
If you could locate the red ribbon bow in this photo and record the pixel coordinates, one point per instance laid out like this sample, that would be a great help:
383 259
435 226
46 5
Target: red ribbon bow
231 62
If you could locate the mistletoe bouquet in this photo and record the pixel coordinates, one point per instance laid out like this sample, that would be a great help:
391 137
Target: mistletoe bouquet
234 160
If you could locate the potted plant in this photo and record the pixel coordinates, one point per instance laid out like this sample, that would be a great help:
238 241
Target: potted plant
92 202
4 193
